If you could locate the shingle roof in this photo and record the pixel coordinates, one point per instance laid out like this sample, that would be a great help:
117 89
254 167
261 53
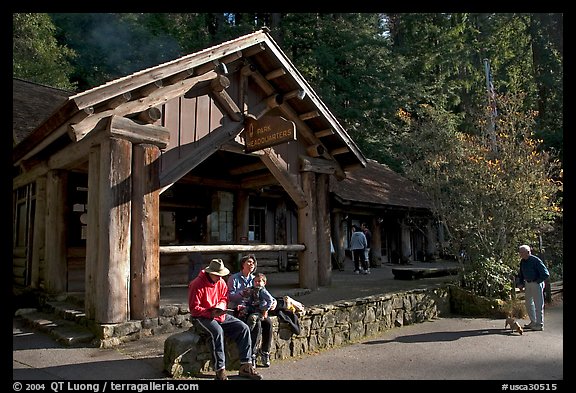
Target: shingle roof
379 185
32 103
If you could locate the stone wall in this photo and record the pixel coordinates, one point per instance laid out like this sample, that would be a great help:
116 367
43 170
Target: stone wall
322 327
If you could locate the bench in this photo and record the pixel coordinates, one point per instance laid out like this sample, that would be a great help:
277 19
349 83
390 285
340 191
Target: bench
415 273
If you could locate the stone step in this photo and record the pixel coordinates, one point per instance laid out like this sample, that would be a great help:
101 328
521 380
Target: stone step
65 331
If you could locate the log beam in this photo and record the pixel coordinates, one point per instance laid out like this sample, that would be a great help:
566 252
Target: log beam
233 248
122 127
203 149
275 74
289 182
79 129
319 165
149 116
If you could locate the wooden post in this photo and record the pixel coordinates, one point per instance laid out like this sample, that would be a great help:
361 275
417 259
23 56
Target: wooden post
93 233
145 245
242 219
55 250
406 254
39 236
338 239
307 235
114 237
431 242
281 226
323 217
376 248
242 210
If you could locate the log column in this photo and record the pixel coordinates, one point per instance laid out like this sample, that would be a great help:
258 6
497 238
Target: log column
430 240
281 225
323 217
376 248
406 255
338 239
93 233
38 244
145 249
112 302
242 216
307 235
55 245
242 212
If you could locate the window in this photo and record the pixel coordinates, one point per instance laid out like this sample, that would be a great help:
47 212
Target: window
222 217
256 224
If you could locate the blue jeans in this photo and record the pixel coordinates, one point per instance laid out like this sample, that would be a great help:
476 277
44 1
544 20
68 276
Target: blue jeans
262 328
367 257
534 300
233 328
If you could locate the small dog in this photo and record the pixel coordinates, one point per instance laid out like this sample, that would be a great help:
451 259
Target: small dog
514 325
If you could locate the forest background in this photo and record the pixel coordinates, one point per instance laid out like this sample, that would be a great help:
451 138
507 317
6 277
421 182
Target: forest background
467 105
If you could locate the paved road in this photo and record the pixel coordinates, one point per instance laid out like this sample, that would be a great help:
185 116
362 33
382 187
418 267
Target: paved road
443 349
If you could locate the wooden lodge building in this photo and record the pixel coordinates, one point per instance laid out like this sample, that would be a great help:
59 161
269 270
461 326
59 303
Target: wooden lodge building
139 182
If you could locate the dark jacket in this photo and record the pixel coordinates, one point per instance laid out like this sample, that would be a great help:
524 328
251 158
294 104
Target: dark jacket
287 316
532 269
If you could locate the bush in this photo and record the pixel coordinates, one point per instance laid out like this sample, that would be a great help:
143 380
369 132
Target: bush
488 278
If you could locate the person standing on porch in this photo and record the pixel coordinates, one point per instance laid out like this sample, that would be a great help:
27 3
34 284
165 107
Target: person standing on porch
368 235
357 245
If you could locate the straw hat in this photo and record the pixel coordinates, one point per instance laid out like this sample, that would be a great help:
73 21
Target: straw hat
217 268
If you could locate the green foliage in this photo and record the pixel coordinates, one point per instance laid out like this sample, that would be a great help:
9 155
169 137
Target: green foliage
488 277
36 55
494 190
111 46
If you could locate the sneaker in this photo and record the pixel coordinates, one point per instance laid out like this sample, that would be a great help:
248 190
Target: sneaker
367 271
356 271
246 370
221 375
265 359
537 328
529 325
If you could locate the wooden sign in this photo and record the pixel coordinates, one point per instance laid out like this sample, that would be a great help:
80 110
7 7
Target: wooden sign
268 131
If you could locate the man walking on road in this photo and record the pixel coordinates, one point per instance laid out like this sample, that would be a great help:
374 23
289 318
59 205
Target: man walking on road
531 277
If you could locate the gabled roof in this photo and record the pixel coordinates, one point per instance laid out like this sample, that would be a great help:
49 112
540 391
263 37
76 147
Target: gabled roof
378 185
276 73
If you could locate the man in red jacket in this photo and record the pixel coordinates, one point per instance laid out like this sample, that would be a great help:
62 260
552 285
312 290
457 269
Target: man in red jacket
207 300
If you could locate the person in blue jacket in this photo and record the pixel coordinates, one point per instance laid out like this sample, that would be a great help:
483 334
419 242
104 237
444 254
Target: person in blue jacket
358 244
531 277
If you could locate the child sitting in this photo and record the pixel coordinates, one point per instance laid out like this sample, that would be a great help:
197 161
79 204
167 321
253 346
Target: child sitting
257 301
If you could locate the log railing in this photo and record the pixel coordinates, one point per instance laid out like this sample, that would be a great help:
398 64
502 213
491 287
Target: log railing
231 248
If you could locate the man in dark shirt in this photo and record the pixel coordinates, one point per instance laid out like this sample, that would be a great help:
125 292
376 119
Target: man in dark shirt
368 235
531 276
